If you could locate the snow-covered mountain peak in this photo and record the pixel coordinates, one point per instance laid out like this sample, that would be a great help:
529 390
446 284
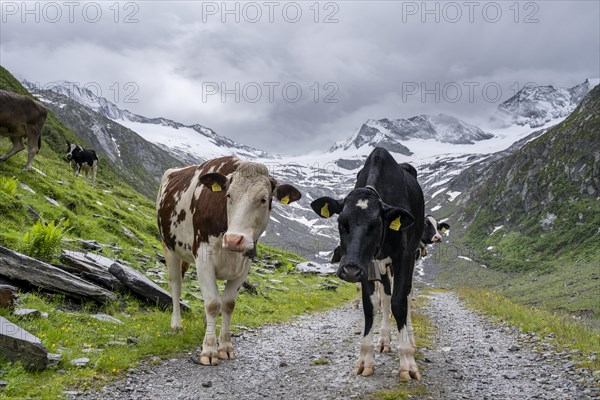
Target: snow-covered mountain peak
535 105
390 133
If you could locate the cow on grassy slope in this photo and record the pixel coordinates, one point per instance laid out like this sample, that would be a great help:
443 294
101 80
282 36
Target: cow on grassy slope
380 221
82 160
21 116
211 216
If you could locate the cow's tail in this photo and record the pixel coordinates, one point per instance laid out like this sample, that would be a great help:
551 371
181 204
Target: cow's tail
40 142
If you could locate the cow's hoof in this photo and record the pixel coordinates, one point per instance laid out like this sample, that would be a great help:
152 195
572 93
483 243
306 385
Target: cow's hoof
226 354
368 370
365 370
382 347
415 375
208 360
404 375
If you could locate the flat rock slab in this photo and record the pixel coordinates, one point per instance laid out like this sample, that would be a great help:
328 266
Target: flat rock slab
315 268
20 267
16 344
107 318
143 287
27 313
92 268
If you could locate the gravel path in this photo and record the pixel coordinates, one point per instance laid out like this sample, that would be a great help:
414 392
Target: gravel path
274 362
477 359
313 357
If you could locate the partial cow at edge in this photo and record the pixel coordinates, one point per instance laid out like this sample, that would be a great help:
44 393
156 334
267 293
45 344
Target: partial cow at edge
381 222
21 116
211 216
82 159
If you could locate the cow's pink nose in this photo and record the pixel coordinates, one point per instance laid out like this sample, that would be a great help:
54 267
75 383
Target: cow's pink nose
233 241
437 239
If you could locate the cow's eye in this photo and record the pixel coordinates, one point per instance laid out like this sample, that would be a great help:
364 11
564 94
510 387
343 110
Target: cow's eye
263 200
228 196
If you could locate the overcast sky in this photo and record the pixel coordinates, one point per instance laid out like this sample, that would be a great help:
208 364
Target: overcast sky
351 61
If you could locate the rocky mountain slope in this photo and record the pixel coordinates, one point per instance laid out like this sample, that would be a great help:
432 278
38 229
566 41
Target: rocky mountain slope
542 201
189 143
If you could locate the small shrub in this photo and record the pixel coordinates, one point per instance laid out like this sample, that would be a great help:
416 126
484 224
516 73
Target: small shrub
9 186
43 240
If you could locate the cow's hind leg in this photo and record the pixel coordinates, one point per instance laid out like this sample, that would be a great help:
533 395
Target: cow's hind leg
32 149
365 365
17 142
386 331
94 170
212 305
174 267
228 304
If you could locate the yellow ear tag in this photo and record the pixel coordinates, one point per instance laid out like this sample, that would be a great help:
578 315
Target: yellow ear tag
285 200
395 224
325 210
444 230
216 187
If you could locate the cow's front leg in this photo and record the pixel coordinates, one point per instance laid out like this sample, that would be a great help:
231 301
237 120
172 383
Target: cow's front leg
407 348
212 306
230 292
364 365
386 331
174 267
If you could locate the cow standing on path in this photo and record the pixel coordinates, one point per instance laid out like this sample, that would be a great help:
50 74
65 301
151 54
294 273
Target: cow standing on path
381 222
21 116
211 215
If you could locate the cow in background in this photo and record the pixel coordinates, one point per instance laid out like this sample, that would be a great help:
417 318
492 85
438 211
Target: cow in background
211 215
82 159
380 221
21 116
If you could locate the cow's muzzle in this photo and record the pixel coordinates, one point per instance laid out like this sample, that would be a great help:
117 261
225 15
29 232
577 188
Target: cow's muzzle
237 242
437 239
350 273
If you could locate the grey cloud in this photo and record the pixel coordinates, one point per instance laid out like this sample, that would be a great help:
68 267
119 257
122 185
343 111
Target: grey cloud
373 55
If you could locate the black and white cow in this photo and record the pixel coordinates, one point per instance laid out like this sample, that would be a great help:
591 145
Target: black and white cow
82 160
432 233
380 221
211 216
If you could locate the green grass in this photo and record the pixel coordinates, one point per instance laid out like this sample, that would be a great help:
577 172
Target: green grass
567 334
70 329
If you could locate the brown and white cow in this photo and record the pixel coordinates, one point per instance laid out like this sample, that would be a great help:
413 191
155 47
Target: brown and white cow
211 215
21 116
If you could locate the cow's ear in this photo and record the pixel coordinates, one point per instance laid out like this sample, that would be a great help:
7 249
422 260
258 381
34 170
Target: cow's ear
214 181
336 257
326 206
287 194
397 218
443 227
